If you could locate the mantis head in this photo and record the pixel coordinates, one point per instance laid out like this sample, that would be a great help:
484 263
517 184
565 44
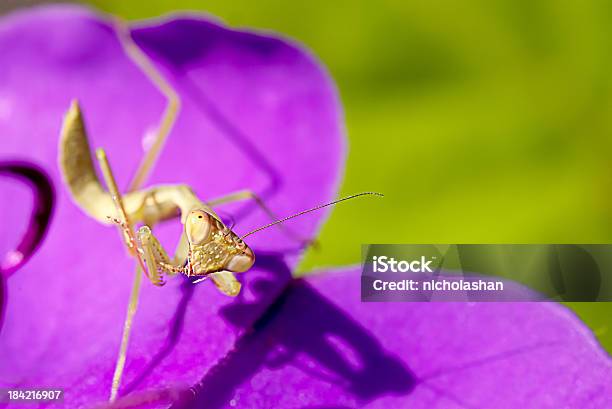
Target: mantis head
201 227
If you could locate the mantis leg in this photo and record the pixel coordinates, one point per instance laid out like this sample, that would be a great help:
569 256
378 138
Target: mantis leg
89 183
125 336
171 111
250 195
157 260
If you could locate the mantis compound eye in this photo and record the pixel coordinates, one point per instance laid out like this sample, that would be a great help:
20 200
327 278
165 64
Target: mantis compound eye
198 226
241 262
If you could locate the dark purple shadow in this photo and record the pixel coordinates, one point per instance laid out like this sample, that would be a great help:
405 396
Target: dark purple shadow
300 322
184 40
245 313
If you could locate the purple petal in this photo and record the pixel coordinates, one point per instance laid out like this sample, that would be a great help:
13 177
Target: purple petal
257 113
319 346
43 202
16 255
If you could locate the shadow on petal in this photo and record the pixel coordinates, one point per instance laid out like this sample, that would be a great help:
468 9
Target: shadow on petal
239 314
175 328
306 331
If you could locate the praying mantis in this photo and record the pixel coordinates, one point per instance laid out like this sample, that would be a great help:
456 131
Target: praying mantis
207 247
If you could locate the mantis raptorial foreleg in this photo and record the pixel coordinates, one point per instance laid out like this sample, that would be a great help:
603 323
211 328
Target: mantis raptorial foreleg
158 262
155 256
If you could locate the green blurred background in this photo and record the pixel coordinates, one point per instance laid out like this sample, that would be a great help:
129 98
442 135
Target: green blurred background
482 121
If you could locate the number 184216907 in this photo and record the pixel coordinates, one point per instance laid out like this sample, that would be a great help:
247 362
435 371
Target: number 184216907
31 395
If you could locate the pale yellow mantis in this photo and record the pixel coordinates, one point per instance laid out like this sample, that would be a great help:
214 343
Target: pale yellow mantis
207 248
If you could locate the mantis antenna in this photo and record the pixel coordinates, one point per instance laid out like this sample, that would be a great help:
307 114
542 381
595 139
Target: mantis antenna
303 212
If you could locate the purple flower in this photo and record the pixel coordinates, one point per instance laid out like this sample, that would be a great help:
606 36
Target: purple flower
257 112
